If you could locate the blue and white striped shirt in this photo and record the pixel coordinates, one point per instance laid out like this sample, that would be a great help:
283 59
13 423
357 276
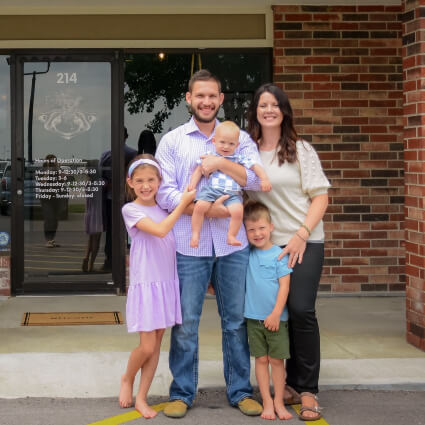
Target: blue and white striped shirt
177 154
219 180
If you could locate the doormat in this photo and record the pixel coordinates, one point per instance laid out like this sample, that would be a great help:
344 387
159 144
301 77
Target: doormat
72 318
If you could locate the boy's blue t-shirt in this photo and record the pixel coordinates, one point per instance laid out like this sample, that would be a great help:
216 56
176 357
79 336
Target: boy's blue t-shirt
262 282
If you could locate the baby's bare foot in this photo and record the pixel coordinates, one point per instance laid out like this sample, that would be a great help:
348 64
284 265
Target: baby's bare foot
126 393
144 409
279 408
268 410
231 240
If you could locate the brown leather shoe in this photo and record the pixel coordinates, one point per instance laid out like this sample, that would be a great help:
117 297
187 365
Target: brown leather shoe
175 409
250 407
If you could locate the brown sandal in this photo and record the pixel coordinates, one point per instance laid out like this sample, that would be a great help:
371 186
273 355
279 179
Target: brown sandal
294 397
315 409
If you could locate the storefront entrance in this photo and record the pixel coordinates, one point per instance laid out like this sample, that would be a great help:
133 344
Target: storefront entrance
62 193
63 152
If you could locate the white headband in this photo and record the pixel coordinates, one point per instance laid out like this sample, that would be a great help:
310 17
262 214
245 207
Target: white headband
140 162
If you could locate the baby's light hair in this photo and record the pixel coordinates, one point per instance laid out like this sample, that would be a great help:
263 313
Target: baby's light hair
229 126
129 191
254 211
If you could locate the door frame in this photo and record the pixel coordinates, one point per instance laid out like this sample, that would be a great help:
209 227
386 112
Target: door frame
116 59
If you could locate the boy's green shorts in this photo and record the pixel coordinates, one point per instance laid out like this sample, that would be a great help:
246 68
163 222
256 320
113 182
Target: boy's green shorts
263 342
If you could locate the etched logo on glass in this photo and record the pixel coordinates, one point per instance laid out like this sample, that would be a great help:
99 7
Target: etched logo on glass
66 118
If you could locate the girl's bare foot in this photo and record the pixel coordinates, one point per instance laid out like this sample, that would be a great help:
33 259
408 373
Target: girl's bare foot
268 410
279 408
144 409
231 240
126 393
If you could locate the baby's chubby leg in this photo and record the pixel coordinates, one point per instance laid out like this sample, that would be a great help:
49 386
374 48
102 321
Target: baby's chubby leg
199 211
236 217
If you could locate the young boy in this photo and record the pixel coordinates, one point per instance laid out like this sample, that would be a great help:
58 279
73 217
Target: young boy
226 140
267 287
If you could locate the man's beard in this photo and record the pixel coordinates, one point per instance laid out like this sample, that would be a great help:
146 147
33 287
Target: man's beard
204 120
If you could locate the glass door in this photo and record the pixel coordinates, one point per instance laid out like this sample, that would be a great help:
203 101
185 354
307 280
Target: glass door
64 190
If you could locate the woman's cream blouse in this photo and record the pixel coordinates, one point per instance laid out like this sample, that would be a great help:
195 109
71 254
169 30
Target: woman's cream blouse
293 187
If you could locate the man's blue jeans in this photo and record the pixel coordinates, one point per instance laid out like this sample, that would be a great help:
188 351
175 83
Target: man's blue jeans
228 277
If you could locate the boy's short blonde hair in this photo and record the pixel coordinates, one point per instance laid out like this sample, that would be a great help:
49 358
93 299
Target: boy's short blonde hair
254 210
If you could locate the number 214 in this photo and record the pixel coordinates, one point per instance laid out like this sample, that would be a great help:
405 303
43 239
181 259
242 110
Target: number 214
66 78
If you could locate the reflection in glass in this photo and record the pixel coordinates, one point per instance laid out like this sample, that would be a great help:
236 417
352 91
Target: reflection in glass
63 188
5 170
156 87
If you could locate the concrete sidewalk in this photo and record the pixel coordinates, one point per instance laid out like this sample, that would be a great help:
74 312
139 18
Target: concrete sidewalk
363 346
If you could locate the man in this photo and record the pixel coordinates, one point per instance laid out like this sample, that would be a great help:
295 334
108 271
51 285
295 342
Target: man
214 260
105 164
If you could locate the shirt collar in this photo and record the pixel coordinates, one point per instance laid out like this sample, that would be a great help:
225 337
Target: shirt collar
192 127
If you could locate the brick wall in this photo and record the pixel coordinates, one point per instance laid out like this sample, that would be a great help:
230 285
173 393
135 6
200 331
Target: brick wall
342 69
414 148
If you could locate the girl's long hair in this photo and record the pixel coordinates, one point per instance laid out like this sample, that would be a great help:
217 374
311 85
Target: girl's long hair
288 136
129 192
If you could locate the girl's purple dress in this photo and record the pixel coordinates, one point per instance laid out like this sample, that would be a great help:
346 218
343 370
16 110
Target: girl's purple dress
153 298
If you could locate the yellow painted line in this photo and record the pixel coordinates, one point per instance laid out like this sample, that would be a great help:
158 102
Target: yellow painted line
321 421
126 417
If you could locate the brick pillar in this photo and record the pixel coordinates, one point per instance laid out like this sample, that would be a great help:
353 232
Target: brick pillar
342 69
414 155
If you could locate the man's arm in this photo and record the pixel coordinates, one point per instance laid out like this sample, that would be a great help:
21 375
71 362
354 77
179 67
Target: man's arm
217 209
169 194
211 163
249 149
247 179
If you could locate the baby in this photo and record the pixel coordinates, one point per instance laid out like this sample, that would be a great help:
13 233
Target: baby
226 140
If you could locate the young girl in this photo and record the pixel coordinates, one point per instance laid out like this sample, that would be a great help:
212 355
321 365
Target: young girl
153 299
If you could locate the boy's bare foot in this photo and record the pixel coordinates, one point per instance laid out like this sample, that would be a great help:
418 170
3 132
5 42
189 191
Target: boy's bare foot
126 393
194 242
279 408
268 410
144 409
231 240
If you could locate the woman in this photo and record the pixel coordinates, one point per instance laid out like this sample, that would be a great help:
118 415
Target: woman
297 202
51 205
146 143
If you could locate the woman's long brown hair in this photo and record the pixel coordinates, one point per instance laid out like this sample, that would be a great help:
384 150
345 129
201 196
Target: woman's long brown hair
288 135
